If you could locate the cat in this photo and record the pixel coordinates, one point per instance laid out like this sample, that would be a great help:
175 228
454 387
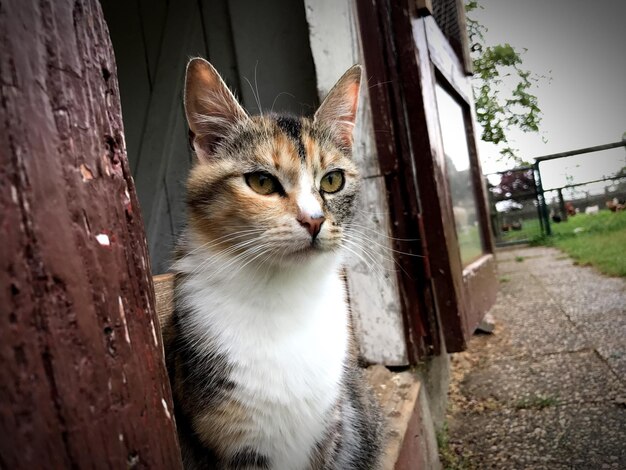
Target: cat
259 350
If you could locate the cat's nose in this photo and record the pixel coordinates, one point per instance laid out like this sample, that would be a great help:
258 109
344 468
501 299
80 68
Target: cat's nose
312 224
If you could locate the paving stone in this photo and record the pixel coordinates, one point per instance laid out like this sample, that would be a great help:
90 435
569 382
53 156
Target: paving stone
585 437
527 252
512 267
547 380
536 326
582 297
577 305
615 356
547 389
510 285
552 336
550 265
607 335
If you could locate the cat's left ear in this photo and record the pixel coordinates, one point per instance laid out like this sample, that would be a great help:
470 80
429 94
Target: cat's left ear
338 111
211 109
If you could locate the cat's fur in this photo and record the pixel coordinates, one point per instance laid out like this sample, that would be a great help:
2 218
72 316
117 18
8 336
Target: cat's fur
259 350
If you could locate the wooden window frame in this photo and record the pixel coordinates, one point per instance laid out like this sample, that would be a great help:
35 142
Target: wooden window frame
413 57
479 286
394 151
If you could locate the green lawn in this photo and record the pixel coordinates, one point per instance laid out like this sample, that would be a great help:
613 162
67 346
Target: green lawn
530 230
598 240
470 244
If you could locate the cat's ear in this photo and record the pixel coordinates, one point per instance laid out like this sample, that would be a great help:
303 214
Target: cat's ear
211 109
338 111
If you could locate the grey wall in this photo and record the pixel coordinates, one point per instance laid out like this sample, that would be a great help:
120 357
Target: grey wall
153 40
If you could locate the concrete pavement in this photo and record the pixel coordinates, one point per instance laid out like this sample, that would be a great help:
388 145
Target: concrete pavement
548 389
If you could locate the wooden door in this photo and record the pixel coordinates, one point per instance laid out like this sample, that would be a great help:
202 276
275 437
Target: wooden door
426 110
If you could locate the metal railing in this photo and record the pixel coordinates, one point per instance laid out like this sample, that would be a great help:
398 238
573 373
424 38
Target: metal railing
543 205
520 201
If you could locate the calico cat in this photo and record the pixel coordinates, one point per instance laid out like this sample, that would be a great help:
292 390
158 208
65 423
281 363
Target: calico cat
260 355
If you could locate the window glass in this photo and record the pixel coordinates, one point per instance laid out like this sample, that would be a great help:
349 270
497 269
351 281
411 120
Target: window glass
457 162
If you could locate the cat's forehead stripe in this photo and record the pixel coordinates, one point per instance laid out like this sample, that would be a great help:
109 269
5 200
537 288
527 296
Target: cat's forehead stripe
293 128
312 150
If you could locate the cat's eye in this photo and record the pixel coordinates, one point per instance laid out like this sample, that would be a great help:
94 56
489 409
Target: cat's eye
332 182
263 183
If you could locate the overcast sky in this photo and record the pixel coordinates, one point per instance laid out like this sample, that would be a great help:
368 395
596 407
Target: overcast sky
581 45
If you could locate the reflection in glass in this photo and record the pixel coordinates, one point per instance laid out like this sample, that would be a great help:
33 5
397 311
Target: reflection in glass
459 175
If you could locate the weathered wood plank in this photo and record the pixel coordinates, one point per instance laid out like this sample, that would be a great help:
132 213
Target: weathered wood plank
466 58
446 59
424 7
83 377
430 60
164 295
397 163
479 279
372 272
375 299
335 44
411 443
178 165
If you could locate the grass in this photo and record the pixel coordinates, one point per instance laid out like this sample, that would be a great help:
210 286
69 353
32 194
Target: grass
450 460
597 240
519 259
530 229
536 402
469 244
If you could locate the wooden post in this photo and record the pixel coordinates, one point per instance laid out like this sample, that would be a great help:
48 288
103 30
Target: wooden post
82 376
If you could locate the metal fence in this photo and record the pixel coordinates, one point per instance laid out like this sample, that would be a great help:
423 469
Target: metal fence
514 207
526 201
603 187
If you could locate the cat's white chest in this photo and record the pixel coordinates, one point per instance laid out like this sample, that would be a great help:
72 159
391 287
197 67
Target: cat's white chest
293 381
288 348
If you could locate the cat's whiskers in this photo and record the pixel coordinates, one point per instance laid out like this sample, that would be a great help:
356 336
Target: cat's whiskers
239 259
366 243
212 243
385 247
214 257
270 253
369 253
211 258
256 274
380 234
261 253
257 96
374 266
218 264
209 261
360 256
221 240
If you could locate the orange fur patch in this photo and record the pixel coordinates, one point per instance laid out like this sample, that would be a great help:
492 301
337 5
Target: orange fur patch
223 428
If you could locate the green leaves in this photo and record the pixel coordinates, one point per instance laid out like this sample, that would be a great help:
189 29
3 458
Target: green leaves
498 110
